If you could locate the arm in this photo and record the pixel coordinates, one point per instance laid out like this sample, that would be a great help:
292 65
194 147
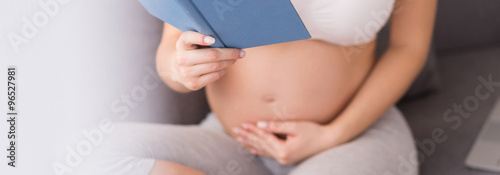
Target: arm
164 55
411 33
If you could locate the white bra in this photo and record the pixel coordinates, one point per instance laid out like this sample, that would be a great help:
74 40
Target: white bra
344 22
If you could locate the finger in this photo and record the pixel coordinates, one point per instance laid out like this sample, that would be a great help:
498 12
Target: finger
206 79
266 136
262 153
200 69
243 142
248 138
281 127
208 55
189 40
252 149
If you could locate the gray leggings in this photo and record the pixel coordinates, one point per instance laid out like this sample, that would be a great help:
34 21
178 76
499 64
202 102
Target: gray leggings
386 148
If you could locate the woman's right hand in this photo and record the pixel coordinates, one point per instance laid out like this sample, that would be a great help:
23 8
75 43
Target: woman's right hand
196 65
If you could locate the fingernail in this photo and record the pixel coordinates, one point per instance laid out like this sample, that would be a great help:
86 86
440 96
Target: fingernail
244 126
242 53
262 124
236 131
209 40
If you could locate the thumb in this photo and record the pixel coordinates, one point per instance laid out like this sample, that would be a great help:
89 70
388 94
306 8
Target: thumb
281 127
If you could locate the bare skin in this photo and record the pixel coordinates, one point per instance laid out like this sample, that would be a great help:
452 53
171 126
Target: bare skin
163 168
313 92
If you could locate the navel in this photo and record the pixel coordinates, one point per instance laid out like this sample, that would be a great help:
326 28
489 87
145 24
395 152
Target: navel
268 98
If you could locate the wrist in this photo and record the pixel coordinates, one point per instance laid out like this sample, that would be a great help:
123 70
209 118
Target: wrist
336 134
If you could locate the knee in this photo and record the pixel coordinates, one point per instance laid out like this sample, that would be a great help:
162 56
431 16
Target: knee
118 140
113 152
126 138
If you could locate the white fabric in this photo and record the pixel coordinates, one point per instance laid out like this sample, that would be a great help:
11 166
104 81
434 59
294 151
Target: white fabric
344 22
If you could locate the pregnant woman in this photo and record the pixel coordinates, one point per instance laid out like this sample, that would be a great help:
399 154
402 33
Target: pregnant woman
324 105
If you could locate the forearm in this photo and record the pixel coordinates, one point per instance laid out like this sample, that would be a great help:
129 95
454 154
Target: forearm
387 83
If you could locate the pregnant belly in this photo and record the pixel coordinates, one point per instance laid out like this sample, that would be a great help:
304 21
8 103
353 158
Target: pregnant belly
301 80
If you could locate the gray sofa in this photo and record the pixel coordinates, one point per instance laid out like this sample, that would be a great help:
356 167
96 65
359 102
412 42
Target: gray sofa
466 46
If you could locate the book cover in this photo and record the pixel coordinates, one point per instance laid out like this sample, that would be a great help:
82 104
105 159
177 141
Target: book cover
233 23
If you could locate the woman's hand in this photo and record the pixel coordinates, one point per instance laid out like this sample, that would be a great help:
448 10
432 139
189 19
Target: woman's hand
196 65
303 139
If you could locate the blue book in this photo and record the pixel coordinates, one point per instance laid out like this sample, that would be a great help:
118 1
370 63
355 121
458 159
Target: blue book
233 23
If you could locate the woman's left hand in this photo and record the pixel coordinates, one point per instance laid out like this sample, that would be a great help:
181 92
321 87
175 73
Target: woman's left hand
303 139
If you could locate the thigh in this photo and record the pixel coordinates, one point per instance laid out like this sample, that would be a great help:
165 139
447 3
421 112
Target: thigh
386 148
133 147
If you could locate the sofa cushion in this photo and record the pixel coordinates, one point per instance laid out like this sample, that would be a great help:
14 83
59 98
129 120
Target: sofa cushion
460 71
